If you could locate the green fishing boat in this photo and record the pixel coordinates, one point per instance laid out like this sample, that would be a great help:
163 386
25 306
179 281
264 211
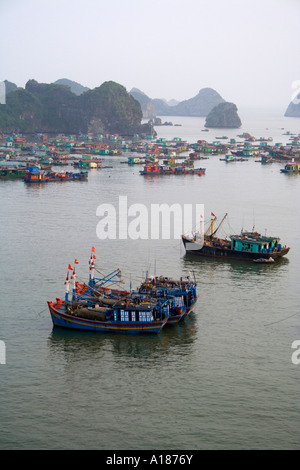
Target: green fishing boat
12 173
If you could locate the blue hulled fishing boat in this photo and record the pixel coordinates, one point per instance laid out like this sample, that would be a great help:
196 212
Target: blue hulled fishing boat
183 294
93 306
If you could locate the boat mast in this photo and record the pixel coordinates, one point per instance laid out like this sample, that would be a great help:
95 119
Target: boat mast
67 284
92 270
201 225
220 224
74 283
92 267
211 227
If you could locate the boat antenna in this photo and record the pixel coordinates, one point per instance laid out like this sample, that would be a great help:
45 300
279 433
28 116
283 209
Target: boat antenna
253 229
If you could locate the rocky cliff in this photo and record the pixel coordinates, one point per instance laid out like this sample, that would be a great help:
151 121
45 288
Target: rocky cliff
53 108
293 109
224 115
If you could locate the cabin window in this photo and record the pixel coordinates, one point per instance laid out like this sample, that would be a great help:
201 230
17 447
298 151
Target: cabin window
142 316
145 316
166 311
117 316
124 315
179 301
133 316
247 247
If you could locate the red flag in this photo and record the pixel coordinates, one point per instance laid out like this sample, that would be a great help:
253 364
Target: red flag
93 249
94 257
76 262
213 214
70 267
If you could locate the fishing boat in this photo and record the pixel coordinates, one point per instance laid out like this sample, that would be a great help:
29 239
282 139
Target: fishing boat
183 295
88 163
35 175
169 170
101 310
151 170
291 167
231 158
245 246
8 173
134 160
132 318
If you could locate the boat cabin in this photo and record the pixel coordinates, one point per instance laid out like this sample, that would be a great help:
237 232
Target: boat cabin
292 168
138 314
151 169
134 160
254 244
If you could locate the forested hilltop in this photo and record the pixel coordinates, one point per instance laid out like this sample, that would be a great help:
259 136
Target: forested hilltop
54 108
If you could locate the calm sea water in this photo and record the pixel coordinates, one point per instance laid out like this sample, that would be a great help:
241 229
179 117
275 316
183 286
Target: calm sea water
224 379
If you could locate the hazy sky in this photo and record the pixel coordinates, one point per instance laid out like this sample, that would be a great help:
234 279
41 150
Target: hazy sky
247 50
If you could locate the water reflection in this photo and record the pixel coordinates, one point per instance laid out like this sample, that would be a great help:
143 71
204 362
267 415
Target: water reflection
191 263
147 348
73 346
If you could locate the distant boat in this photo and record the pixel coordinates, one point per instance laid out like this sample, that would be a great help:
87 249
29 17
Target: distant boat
88 162
169 170
231 158
291 167
35 175
246 246
266 159
135 160
12 173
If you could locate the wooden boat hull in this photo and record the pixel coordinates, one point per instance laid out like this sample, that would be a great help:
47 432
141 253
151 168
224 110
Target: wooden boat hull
199 172
227 253
44 178
189 309
64 320
174 319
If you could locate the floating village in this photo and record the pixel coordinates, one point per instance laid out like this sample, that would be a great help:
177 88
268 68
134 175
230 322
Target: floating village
159 301
35 159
